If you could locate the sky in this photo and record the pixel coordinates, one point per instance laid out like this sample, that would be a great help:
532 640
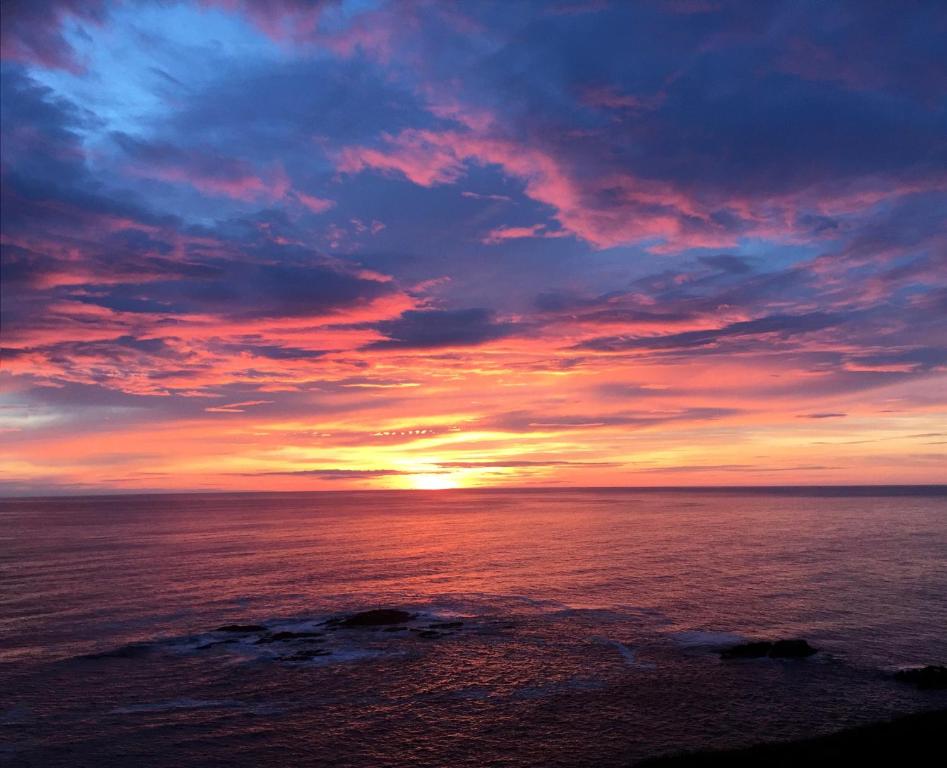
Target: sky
358 244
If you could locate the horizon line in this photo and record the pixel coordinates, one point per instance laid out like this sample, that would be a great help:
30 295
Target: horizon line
939 487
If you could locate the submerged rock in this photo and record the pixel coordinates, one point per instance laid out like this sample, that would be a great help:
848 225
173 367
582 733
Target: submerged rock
205 646
930 678
244 628
377 618
279 637
306 655
780 649
446 625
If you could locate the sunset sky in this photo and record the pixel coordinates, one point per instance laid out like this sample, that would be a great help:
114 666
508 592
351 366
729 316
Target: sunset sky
298 245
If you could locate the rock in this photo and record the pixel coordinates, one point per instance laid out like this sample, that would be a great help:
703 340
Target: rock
791 649
755 650
205 646
245 628
429 634
446 625
780 649
395 629
306 655
377 618
930 678
278 637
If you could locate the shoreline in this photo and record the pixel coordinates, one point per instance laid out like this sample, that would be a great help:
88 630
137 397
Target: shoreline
904 740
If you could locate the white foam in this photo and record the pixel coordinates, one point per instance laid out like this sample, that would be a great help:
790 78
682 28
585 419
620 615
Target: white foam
628 654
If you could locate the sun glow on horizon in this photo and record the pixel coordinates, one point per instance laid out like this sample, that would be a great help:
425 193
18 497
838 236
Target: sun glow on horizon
432 482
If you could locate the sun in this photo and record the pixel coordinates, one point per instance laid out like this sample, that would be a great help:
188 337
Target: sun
431 482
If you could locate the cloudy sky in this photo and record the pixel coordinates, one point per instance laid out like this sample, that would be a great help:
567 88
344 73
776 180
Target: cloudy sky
368 244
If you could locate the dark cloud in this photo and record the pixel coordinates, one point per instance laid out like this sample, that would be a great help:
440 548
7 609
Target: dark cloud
248 290
33 30
784 326
727 263
271 351
432 328
920 358
607 309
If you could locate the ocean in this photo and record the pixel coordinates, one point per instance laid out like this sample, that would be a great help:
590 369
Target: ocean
548 627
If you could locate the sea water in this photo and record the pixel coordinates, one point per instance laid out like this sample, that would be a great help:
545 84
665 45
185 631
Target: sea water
549 627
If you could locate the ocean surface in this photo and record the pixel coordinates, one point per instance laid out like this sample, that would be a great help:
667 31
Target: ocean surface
552 628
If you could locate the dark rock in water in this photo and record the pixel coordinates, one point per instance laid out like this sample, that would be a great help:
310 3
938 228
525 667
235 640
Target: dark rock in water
446 625
755 650
279 637
791 649
245 628
377 618
395 629
205 646
781 649
306 655
429 634
929 678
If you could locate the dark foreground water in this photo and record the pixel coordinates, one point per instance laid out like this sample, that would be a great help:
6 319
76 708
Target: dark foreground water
591 622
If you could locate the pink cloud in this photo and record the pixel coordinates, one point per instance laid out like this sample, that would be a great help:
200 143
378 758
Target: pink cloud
500 234
314 204
424 157
614 208
609 97
234 180
605 211
284 21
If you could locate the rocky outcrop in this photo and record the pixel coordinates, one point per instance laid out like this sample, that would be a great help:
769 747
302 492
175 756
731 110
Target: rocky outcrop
378 617
791 649
779 649
280 637
306 655
929 678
